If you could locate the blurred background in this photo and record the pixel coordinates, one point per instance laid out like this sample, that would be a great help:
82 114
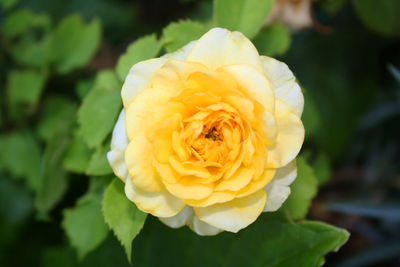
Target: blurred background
344 53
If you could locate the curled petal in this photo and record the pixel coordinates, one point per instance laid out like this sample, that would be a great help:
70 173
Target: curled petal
138 157
179 219
160 204
202 228
253 83
220 47
138 78
234 215
119 142
284 84
181 53
186 189
289 139
278 190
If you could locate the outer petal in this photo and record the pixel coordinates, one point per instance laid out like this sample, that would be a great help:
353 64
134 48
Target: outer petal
278 190
138 158
179 219
202 228
234 215
160 204
284 83
138 78
220 47
119 142
289 138
253 83
181 53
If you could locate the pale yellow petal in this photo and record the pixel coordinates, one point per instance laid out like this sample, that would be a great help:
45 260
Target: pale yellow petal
186 189
234 215
119 142
181 53
160 204
179 219
138 78
256 184
278 190
253 83
284 84
141 108
139 158
239 179
215 197
202 228
220 47
289 139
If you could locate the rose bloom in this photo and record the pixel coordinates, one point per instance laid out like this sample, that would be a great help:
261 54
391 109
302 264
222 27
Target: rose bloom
208 135
295 14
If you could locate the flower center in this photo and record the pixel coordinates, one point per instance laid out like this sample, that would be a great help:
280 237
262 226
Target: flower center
213 134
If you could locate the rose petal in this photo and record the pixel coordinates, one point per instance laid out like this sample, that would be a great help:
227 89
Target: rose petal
138 78
185 188
278 190
179 219
253 83
160 204
202 228
284 83
289 138
138 158
234 215
119 142
220 47
239 179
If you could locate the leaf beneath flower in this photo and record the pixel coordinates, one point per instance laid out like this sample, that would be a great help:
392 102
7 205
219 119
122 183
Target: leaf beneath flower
121 215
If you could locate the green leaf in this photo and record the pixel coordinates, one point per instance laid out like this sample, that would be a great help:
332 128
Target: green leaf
98 164
25 86
78 156
121 215
303 189
178 34
144 48
53 178
74 43
22 20
246 16
32 46
100 109
273 40
84 224
57 116
7 4
381 16
271 241
83 87
32 53
20 156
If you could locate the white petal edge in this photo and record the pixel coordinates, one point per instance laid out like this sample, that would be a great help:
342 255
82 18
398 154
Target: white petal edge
219 47
284 83
278 189
202 228
119 142
181 53
180 219
138 78
160 204
233 215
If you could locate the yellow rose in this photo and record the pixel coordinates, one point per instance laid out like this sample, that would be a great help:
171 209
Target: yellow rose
209 134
